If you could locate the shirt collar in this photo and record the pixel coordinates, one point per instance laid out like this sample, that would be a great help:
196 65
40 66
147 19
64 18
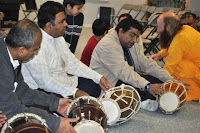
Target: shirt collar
15 63
46 35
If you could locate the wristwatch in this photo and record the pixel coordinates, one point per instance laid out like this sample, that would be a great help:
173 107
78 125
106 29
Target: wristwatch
147 86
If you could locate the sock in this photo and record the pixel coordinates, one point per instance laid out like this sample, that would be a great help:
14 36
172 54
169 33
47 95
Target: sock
150 105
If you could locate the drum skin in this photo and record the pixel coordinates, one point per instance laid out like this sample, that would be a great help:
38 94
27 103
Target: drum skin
88 126
178 92
173 89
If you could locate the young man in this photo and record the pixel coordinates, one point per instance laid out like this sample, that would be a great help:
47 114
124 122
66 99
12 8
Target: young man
181 46
55 69
74 18
190 19
119 56
99 29
22 43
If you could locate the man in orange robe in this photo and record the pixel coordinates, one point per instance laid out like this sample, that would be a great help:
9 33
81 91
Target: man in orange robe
181 49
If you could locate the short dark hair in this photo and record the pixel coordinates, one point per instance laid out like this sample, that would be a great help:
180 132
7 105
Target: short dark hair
99 27
22 34
188 14
48 11
127 15
72 3
126 24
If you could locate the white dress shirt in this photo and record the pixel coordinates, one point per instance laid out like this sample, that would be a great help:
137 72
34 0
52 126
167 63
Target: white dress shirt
15 63
52 68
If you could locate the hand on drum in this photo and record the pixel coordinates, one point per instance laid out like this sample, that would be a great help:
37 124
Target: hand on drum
156 89
65 126
63 105
104 84
2 119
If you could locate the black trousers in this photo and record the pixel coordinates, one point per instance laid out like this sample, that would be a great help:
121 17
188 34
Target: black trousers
144 94
89 86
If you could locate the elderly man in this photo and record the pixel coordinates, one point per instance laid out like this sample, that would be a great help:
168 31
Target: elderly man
22 43
119 56
55 69
181 46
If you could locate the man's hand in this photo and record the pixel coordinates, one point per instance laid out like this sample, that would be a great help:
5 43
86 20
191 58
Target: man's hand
156 89
63 105
2 119
156 57
80 93
65 126
104 84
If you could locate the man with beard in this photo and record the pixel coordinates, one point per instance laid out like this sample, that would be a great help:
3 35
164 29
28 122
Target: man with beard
119 57
181 46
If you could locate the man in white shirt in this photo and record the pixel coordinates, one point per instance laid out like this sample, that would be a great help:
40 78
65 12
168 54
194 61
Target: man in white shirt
55 69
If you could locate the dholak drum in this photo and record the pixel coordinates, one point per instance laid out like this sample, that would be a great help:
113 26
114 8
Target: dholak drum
25 123
120 104
173 98
91 113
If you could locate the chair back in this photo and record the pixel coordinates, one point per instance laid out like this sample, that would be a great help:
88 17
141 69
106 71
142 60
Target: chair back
30 4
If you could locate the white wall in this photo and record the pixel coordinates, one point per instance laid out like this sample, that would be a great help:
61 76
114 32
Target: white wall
194 5
91 7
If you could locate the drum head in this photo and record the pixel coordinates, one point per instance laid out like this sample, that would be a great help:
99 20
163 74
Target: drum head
112 110
169 102
88 126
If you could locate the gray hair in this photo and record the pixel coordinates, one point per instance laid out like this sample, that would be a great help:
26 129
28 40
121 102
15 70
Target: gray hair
22 34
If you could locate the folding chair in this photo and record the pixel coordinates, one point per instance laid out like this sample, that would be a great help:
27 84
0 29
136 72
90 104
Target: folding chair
30 6
150 34
126 8
172 9
148 13
142 12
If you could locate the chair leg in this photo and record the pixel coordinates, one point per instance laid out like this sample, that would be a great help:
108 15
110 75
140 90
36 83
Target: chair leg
26 15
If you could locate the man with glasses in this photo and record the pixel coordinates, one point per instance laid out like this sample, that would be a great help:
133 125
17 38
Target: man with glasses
190 19
119 56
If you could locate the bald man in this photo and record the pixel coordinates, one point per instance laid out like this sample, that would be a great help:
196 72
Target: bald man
180 47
